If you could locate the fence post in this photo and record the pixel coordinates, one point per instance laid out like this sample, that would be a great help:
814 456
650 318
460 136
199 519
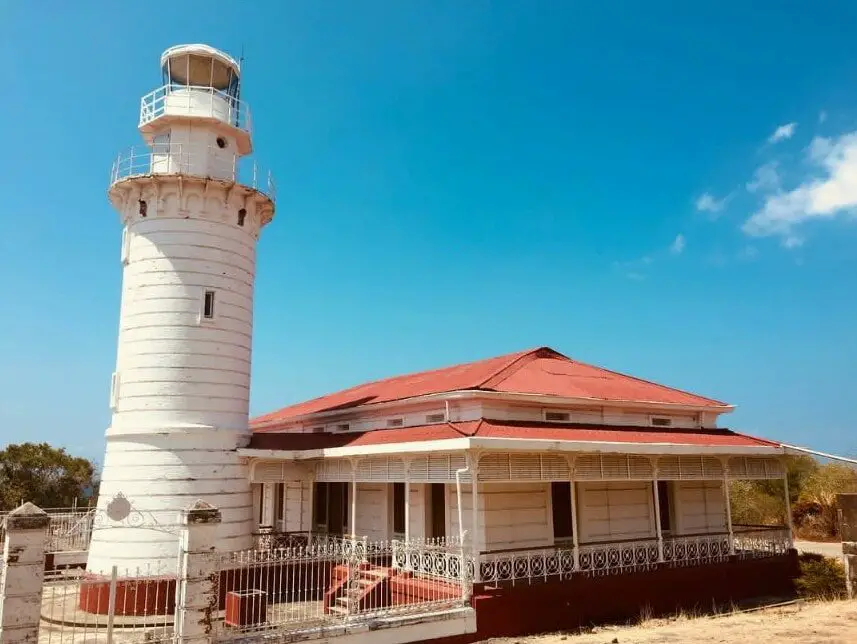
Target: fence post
23 574
197 598
846 509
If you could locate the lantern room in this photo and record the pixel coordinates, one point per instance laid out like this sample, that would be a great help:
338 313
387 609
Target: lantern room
199 82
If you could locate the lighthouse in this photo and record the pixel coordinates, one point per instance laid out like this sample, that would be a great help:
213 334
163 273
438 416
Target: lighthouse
192 204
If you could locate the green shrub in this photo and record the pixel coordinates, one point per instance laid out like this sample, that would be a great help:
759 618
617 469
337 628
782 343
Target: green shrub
820 577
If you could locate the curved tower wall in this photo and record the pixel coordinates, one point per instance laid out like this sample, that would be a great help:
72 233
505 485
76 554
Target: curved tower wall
180 392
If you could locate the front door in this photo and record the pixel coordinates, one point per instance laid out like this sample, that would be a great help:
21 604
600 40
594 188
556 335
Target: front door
437 505
331 508
338 509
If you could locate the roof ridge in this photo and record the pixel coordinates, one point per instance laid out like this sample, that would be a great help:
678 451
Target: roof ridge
519 361
513 357
651 382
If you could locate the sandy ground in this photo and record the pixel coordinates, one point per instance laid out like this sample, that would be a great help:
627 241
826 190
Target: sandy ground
803 623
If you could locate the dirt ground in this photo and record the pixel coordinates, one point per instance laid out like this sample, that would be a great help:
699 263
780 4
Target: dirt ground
803 623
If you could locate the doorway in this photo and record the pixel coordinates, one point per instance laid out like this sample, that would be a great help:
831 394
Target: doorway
331 508
437 510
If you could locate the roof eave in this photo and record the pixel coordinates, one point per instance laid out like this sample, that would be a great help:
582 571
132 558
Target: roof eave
471 394
514 444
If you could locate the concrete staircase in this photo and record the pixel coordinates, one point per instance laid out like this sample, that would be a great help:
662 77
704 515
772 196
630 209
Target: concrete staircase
368 592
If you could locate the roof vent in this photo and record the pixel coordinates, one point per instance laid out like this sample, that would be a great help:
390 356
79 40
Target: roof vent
395 422
557 416
343 427
316 430
661 421
435 418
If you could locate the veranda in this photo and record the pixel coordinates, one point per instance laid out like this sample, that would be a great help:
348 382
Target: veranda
530 516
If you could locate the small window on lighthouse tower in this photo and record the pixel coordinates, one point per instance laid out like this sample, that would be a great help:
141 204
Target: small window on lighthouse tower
208 305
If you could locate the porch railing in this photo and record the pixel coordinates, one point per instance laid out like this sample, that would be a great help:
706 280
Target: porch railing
618 557
331 581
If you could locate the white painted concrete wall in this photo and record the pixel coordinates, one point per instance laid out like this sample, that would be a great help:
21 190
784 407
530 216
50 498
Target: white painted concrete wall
700 506
515 515
613 511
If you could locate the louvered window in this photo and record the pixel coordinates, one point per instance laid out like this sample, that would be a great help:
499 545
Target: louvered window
616 467
557 416
438 467
523 467
689 468
750 467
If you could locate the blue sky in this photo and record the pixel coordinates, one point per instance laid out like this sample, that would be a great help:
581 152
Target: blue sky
658 188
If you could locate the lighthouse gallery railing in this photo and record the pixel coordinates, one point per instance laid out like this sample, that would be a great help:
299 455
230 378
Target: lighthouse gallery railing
210 162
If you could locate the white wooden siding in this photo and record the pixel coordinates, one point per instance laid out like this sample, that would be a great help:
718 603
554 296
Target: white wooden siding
515 515
699 506
477 538
417 511
372 508
297 499
614 511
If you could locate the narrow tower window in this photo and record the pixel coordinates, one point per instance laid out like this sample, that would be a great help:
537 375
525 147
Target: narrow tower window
208 305
126 245
114 390
143 207
242 215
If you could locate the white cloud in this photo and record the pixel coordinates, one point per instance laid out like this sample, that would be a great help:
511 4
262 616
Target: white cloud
783 132
822 116
706 202
766 178
677 247
833 193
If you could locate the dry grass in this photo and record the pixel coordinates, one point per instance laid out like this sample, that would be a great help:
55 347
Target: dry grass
833 622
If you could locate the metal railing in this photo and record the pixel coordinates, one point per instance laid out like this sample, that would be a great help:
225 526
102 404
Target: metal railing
68 531
193 100
619 557
330 582
136 605
208 162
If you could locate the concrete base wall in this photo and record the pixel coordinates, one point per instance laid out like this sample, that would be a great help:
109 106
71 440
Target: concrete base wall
566 605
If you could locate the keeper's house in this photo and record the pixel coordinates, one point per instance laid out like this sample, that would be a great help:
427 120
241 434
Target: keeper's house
579 493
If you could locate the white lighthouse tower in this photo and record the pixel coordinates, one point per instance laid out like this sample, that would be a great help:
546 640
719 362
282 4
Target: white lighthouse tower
192 207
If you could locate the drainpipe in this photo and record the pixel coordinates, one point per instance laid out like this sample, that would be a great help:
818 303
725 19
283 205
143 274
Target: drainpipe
466 589
464 470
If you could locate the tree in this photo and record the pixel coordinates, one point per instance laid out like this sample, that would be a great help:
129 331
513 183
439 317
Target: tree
48 476
821 487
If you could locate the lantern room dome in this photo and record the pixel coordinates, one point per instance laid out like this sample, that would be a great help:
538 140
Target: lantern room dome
199 65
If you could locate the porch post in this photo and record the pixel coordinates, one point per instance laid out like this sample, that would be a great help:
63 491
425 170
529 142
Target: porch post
407 500
728 506
575 532
474 501
788 505
354 498
657 497
311 501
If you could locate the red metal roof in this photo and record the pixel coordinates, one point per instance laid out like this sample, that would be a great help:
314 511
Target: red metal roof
540 371
508 429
